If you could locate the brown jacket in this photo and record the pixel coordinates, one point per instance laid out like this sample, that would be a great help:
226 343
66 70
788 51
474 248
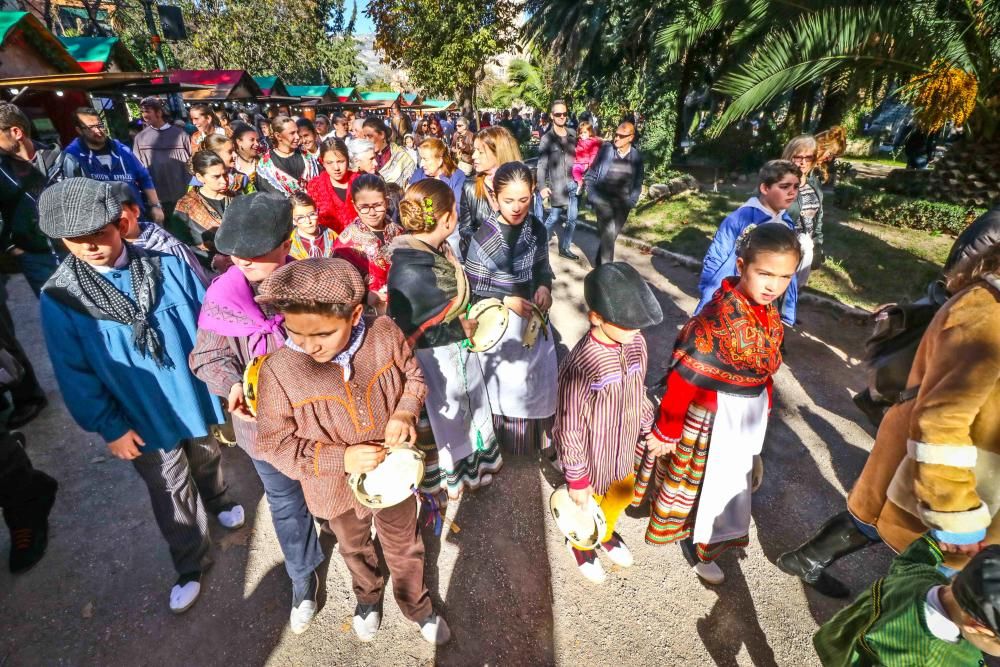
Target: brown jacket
936 460
308 414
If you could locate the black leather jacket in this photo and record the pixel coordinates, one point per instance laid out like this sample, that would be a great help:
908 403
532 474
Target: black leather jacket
474 211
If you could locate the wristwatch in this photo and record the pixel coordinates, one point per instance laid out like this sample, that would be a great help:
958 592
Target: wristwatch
156 205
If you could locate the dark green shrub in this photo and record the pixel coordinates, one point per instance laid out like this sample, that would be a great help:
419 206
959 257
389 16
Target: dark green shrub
899 211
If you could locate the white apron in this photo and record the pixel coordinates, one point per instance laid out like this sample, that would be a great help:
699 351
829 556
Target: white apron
723 511
521 382
457 404
805 265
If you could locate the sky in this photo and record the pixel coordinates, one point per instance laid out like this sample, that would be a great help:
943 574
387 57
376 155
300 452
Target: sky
363 26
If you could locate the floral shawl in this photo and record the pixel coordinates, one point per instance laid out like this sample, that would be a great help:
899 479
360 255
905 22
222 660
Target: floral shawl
732 345
282 181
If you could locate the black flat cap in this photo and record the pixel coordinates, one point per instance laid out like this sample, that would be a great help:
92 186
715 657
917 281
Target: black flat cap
77 207
977 587
617 293
254 225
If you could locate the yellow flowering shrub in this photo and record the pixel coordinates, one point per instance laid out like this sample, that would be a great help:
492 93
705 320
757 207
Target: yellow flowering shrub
943 94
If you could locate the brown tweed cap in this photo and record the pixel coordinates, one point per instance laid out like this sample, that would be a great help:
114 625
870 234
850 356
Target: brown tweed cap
326 280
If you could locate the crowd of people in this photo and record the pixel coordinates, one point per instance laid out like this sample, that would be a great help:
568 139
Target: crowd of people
327 292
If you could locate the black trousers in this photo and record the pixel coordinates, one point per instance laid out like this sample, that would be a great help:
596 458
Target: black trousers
611 216
28 390
25 493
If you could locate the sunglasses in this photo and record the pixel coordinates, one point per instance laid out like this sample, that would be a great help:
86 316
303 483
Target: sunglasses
619 135
559 115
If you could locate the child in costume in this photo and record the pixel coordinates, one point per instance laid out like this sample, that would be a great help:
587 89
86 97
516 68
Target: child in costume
342 382
915 616
365 242
713 416
232 330
428 297
308 238
603 411
508 259
778 188
119 323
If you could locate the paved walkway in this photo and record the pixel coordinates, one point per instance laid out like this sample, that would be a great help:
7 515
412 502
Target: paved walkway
505 581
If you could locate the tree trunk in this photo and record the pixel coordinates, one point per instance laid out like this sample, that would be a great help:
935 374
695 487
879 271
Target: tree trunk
466 102
680 126
796 109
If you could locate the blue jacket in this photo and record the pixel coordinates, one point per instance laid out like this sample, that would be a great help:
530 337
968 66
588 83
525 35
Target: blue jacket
110 387
599 169
79 160
720 260
455 182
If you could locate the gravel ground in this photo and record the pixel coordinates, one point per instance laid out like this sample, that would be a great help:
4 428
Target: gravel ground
503 577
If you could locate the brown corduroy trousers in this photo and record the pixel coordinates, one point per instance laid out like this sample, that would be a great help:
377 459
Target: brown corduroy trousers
403 548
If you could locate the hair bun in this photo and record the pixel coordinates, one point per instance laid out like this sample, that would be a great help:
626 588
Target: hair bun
411 214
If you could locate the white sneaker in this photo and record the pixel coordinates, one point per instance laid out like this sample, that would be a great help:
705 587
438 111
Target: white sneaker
587 563
232 518
435 630
711 573
366 622
617 552
185 592
302 616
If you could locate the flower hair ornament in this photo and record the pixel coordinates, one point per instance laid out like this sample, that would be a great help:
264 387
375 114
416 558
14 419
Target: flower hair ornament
429 220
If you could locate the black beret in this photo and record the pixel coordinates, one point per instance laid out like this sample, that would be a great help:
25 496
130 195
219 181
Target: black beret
977 588
617 293
254 225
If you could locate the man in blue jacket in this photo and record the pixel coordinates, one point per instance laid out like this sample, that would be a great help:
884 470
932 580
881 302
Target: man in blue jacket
614 183
96 155
778 187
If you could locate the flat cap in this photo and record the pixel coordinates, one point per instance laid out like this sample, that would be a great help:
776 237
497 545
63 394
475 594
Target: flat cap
326 280
617 293
77 207
977 587
254 225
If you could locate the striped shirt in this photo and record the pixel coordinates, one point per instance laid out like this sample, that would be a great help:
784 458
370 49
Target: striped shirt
308 414
603 411
887 626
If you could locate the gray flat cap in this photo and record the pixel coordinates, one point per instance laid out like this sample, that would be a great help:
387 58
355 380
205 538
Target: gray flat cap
254 225
77 207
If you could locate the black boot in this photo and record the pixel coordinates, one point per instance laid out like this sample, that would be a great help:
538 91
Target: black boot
838 537
29 524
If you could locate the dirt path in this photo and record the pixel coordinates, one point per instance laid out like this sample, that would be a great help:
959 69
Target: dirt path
505 581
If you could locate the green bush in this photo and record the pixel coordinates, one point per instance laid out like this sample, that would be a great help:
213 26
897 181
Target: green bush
899 211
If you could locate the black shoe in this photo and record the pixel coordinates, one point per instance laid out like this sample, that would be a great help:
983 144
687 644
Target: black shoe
568 254
837 538
29 525
25 412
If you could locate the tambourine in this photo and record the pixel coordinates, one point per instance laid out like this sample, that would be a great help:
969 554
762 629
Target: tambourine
492 318
583 528
397 478
250 380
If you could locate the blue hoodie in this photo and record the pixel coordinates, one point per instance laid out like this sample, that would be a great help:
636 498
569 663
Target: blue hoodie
80 160
720 260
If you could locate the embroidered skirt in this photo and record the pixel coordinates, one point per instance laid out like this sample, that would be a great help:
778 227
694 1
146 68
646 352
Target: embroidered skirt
675 482
466 452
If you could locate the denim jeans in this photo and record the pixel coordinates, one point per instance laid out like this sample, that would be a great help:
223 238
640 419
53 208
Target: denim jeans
572 209
292 521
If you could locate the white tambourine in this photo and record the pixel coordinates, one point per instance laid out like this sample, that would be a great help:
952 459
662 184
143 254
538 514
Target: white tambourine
583 528
392 482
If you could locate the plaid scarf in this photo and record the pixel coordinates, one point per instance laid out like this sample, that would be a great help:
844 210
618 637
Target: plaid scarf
497 268
79 286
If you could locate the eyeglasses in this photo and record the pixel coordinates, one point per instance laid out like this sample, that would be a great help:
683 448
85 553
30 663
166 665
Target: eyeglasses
619 135
98 126
803 158
305 217
558 114
368 209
